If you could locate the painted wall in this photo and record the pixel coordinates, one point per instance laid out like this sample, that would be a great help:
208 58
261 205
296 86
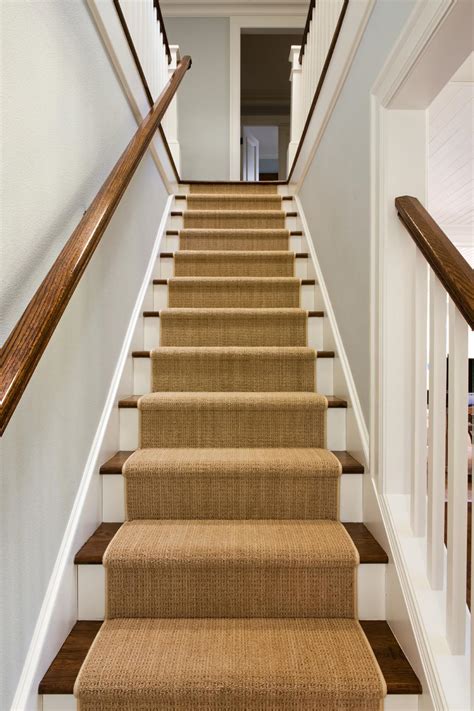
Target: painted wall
67 121
336 193
204 97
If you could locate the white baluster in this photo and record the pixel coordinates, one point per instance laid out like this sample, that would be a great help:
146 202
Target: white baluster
418 473
297 116
457 481
437 433
170 119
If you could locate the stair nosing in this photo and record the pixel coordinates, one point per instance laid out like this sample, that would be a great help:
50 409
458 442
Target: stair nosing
156 314
114 465
131 402
319 354
171 255
63 671
303 282
370 551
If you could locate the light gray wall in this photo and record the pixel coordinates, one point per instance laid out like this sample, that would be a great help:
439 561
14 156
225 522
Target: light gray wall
336 193
66 121
203 97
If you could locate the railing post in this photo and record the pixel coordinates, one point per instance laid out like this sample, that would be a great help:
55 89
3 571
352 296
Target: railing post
419 406
437 433
170 120
296 118
457 480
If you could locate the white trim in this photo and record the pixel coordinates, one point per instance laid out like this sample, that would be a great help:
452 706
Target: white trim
54 624
352 30
236 25
362 435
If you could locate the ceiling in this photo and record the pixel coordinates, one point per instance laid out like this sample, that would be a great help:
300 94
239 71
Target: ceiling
451 159
225 8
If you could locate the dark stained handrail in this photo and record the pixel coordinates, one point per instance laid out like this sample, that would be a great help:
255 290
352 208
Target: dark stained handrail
446 261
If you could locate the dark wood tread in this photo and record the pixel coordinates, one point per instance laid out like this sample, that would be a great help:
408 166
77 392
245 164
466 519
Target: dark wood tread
293 233
399 675
92 552
170 255
179 213
185 197
156 314
304 282
146 354
115 464
131 402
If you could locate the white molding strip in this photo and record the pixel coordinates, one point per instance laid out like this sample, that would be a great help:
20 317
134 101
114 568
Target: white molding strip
354 402
59 609
236 24
352 30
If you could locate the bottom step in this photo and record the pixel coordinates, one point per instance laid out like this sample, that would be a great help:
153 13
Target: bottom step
58 682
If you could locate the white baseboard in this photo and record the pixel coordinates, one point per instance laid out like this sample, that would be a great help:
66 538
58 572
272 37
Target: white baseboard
59 609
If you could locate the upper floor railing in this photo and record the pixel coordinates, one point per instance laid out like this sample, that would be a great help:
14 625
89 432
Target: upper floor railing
309 66
27 341
443 311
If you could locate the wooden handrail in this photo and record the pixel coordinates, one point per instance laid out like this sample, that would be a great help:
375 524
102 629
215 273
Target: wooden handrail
307 25
157 7
30 336
446 261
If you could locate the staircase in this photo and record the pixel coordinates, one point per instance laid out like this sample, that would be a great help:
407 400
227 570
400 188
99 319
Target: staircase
232 567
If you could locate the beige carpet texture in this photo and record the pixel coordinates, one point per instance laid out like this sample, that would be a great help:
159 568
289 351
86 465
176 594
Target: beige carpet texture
232 583
232 368
234 264
234 239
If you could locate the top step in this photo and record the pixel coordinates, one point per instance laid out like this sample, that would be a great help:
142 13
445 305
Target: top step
233 188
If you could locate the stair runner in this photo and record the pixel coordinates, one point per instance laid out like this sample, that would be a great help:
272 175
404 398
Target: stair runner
232 584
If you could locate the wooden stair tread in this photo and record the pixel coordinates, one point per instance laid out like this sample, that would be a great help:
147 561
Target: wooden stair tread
63 671
294 233
163 282
170 255
114 464
179 213
146 354
156 314
92 552
131 402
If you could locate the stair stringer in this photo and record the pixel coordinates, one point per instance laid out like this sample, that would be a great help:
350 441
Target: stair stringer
357 443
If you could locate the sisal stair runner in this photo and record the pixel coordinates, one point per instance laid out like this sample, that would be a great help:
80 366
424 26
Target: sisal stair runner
232 584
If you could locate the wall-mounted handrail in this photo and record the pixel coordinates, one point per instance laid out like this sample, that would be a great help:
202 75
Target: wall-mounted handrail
29 338
156 5
306 30
446 261
322 76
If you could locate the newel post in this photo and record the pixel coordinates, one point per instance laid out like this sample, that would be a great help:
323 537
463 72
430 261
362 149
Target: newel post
170 119
296 112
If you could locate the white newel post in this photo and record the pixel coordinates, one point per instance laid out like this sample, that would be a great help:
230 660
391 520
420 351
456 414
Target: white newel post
170 119
296 119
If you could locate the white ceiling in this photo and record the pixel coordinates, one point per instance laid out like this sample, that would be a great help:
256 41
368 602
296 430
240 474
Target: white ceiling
451 159
225 8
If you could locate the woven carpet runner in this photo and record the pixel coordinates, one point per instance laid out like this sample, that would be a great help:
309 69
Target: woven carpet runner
232 583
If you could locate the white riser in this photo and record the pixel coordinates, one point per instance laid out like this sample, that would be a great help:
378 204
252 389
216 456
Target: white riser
151 330
336 428
370 592
166 268
160 297
176 222
63 702
142 375
297 243
113 498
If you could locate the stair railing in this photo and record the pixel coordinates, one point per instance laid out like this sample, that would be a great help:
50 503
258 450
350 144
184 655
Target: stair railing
444 312
309 66
28 339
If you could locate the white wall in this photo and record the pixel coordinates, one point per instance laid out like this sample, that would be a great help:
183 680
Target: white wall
65 123
336 193
204 96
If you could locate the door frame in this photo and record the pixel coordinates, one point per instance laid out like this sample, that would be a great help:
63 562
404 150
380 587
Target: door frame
237 23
